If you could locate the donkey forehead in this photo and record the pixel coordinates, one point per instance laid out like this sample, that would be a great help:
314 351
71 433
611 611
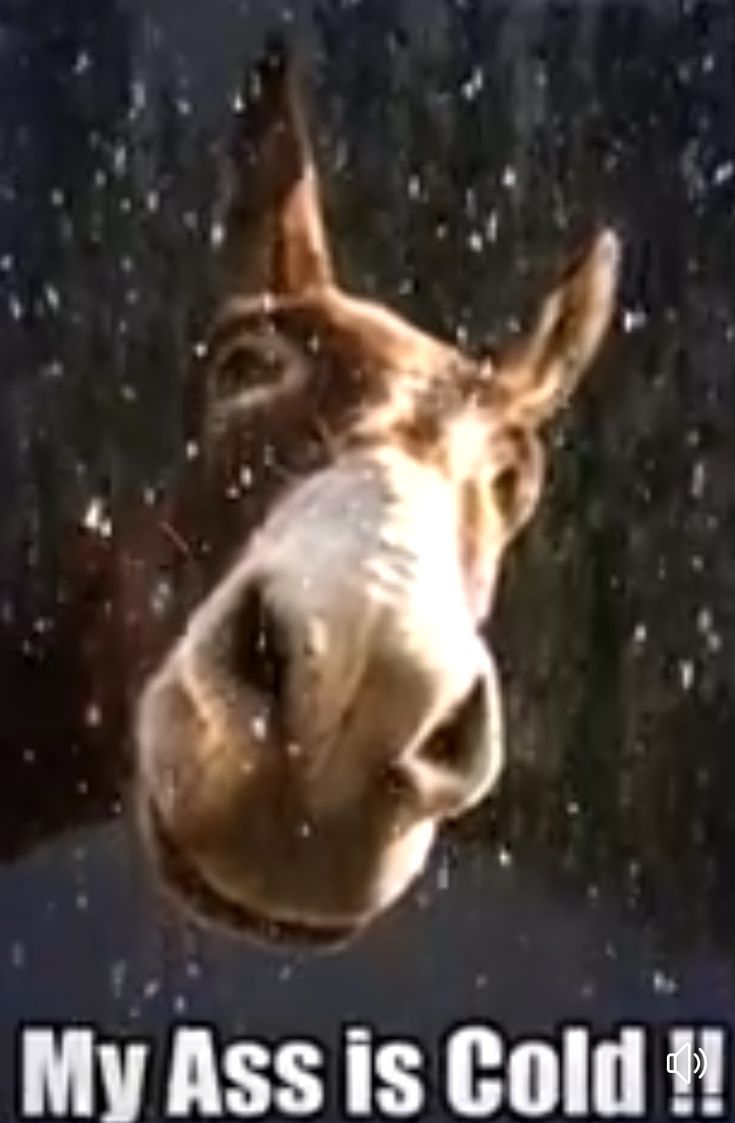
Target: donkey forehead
375 536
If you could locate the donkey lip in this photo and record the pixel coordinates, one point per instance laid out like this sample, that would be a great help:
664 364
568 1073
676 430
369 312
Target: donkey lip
182 877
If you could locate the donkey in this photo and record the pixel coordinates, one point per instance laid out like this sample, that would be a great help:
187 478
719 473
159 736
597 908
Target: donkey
331 699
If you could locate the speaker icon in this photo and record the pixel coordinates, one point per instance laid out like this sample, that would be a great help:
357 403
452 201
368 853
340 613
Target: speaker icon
687 1063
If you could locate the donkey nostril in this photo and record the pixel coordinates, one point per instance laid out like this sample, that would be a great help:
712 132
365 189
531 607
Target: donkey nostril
460 762
258 652
457 745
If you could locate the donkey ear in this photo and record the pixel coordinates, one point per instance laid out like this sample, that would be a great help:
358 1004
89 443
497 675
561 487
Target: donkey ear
275 239
539 374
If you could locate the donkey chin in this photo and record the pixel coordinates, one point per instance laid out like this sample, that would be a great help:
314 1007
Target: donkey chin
331 700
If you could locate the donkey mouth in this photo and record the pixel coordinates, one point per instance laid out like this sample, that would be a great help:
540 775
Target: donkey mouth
181 876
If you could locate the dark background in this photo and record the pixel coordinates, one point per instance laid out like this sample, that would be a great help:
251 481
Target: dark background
465 145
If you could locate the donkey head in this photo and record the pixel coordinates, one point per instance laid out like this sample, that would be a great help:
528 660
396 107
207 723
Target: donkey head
331 700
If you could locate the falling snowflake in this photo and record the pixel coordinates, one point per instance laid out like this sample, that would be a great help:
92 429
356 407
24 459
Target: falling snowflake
96 519
474 85
82 63
664 984
686 674
509 178
633 319
723 173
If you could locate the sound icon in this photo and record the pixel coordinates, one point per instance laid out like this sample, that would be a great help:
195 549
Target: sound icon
687 1063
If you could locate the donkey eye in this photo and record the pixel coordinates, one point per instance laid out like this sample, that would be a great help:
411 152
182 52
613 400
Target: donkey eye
252 371
246 367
